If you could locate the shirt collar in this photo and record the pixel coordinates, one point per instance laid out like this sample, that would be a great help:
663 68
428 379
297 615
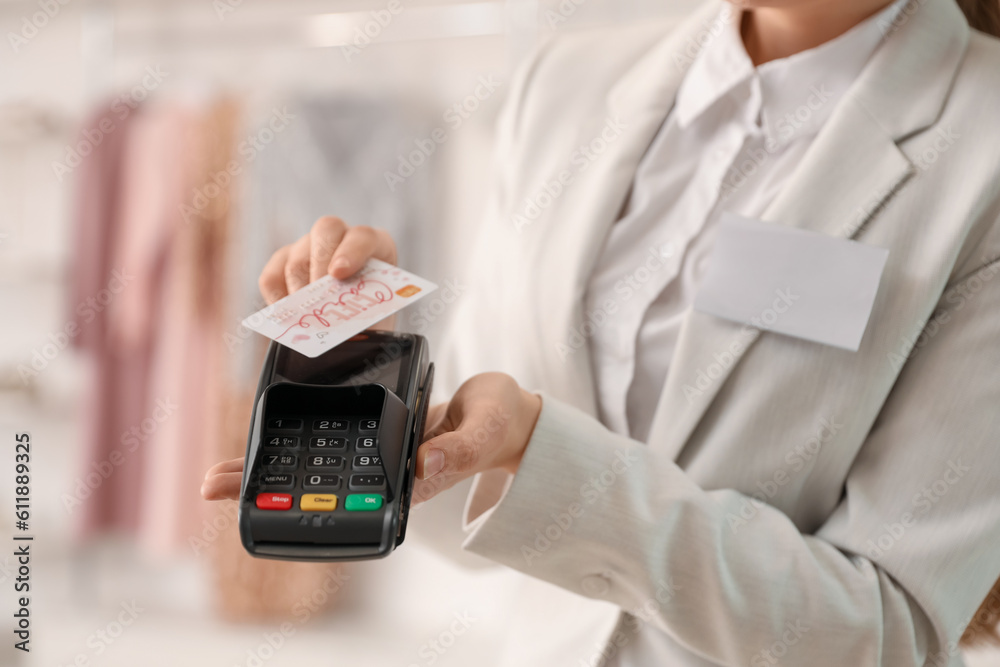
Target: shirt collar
790 97
721 65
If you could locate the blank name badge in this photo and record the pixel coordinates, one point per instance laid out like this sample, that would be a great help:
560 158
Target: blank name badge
791 281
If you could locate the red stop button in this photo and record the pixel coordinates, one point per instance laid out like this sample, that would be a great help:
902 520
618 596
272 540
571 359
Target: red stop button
274 501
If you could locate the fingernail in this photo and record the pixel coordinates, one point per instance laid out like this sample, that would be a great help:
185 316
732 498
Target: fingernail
340 263
433 463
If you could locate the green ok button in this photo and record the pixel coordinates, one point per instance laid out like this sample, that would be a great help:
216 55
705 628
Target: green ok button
363 502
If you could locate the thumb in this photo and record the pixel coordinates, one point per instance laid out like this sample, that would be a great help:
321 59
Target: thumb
443 462
450 453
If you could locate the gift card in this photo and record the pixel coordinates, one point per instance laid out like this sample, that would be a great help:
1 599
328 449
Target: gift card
325 313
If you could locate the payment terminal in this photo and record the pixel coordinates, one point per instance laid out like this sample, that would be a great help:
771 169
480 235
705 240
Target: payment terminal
330 455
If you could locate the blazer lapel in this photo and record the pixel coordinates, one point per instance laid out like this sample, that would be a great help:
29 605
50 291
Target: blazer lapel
639 102
851 170
834 191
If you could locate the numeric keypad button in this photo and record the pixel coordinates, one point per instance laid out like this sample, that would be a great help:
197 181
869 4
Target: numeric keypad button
324 462
364 461
330 425
368 426
326 444
321 482
370 444
282 441
278 462
282 424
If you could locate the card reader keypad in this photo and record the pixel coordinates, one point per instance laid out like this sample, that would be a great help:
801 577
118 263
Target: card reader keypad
279 462
281 425
314 482
324 462
330 425
327 444
282 442
341 461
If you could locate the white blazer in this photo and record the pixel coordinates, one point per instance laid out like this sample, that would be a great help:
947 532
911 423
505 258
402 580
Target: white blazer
788 489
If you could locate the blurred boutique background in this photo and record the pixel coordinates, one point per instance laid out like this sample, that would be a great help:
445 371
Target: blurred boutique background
153 153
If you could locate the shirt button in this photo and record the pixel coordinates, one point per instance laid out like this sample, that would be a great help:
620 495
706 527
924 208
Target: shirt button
595 586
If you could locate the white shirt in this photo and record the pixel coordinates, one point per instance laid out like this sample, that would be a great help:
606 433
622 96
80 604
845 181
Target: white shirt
731 141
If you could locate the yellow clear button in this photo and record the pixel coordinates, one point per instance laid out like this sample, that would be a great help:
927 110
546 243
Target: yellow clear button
318 502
